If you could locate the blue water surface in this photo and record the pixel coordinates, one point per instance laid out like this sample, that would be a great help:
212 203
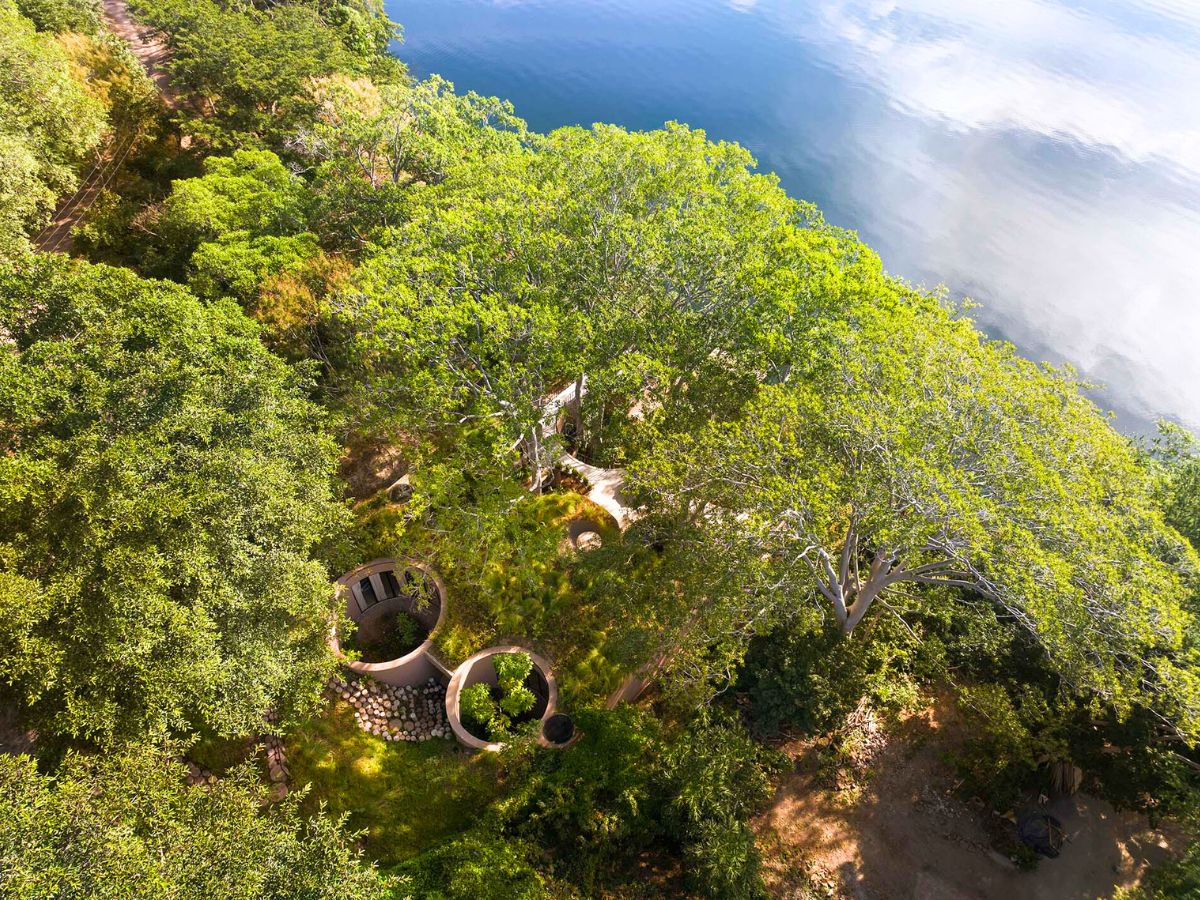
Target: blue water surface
1039 156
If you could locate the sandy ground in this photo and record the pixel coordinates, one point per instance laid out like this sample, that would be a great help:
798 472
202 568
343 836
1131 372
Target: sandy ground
908 836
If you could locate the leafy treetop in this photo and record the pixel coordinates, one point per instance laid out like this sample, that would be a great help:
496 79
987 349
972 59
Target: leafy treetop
165 482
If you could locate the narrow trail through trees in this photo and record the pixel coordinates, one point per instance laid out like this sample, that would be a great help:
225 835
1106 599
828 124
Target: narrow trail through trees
152 54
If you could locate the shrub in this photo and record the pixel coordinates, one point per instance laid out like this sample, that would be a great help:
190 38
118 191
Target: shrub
477 705
125 824
625 787
810 677
62 15
716 777
481 863
512 669
518 701
495 709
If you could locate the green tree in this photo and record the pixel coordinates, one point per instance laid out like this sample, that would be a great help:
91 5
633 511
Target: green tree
48 128
239 224
371 143
249 193
248 70
906 453
62 15
1179 451
164 482
126 824
655 263
479 863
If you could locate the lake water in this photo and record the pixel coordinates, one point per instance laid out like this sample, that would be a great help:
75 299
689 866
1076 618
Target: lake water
1039 156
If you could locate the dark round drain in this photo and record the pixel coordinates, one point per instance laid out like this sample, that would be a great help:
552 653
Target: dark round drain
559 728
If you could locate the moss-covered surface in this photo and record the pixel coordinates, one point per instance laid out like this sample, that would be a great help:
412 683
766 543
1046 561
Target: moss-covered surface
405 797
524 589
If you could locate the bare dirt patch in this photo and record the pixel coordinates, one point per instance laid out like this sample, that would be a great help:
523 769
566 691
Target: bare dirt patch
906 834
369 465
14 737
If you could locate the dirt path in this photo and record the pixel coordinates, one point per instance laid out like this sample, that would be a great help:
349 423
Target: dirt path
909 836
149 50
151 53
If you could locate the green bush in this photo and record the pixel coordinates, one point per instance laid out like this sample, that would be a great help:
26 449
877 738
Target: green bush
517 701
126 824
594 807
626 787
480 863
62 15
715 777
477 705
809 676
511 670
495 709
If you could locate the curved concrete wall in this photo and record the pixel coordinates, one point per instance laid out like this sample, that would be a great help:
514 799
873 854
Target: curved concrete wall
418 665
479 668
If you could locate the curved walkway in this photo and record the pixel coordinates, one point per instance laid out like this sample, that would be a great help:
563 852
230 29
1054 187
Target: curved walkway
606 484
606 492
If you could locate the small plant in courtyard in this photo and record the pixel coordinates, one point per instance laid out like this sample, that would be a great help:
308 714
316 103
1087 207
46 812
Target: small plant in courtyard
494 708
396 634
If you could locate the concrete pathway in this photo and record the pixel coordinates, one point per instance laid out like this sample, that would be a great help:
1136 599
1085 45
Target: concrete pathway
606 484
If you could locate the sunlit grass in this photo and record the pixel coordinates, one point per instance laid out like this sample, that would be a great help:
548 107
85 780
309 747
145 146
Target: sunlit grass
406 797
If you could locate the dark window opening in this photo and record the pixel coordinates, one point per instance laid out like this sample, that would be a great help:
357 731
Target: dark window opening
368 593
391 587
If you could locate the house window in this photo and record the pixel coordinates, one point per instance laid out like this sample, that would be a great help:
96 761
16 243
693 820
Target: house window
391 587
366 590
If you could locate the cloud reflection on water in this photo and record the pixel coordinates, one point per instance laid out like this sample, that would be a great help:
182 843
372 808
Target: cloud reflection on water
1044 157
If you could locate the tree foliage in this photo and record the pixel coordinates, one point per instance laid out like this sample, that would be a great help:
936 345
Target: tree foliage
48 127
1179 453
655 262
251 71
126 825
164 482
910 454
62 15
627 786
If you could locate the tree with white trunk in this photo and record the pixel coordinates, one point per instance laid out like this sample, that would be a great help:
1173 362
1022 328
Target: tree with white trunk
903 454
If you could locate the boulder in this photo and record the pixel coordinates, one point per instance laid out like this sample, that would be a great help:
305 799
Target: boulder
401 490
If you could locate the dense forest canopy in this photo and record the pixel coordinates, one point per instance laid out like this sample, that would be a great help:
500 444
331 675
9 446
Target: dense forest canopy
48 125
841 494
165 482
